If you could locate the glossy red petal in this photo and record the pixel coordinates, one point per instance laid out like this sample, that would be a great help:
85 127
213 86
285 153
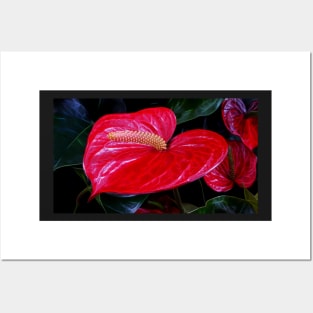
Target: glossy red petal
239 167
195 153
234 113
249 135
218 179
132 168
244 164
160 121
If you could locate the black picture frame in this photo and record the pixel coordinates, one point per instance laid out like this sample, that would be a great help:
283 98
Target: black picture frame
46 101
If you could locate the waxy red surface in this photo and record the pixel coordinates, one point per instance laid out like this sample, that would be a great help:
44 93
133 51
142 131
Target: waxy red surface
135 168
238 167
236 118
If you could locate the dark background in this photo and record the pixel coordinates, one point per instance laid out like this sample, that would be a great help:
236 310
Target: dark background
67 184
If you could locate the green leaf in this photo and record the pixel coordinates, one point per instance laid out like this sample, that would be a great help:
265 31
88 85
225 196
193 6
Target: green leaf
157 204
72 108
225 204
98 199
70 137
79 196
121 204
189 109
81 173
252 199
188 207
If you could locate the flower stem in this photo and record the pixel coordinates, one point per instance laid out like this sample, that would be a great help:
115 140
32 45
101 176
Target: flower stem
157 204
178 199
87 189
202 191
98 199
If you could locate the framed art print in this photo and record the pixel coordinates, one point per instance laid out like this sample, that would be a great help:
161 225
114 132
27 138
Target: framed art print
155 156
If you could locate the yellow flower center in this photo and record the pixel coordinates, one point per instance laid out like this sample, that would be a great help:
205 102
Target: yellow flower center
141 137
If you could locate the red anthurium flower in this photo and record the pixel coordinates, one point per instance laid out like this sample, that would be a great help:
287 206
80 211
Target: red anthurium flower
238 167
241 120
131 153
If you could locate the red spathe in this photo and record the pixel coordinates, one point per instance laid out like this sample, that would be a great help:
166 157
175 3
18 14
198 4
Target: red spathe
236 118
135 168
238 167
